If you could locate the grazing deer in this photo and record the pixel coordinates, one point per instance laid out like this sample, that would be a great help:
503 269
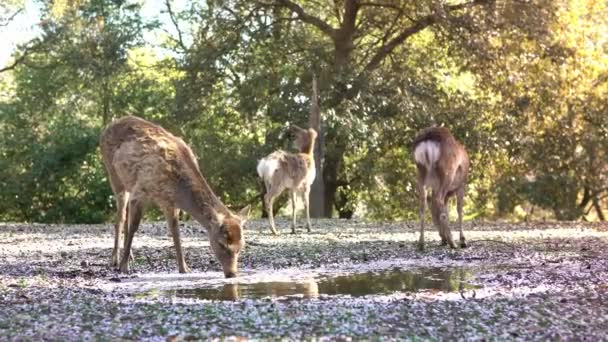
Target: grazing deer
294 171
145 163
443 165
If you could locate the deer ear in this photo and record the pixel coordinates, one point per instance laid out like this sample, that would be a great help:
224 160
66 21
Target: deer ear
244 214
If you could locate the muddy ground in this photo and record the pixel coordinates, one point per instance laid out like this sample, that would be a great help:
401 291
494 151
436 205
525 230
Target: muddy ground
533 281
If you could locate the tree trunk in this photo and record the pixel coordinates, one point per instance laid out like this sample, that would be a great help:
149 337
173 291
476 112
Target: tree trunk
344 211
598 209
262 194
317 193
331 170
105 115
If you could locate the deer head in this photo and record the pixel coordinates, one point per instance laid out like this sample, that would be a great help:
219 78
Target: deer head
226 240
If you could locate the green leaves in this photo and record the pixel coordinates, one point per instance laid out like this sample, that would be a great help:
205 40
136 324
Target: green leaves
521 84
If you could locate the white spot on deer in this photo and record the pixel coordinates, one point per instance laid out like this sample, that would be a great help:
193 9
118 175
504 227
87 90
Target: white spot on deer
427 154
267 167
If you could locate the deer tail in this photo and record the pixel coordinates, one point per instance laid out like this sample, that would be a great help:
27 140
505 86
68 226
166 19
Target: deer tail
267 167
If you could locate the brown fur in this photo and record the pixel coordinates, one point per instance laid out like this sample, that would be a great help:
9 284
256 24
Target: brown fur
447 177
145 163
295 171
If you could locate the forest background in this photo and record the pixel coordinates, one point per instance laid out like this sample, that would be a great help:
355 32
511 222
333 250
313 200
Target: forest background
523 84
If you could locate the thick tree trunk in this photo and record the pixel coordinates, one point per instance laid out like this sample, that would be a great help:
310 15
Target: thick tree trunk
317 193
331 187
598 209
344 210
331 170
262 194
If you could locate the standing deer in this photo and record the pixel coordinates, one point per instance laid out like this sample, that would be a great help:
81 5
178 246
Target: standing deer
145 163
443 165
294 171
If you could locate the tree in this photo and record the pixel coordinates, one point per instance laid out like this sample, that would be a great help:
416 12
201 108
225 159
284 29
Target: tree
547 80
66 84
346 45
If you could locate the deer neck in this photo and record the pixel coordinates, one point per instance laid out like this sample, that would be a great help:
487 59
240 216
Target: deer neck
196 197
309 147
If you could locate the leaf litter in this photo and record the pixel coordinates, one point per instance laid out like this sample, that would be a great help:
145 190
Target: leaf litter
534 281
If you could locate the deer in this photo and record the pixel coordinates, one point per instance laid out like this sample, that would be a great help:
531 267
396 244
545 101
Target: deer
443 165
147 164
281 170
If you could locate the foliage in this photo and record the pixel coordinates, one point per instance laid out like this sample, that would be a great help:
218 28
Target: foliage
51 173
522 84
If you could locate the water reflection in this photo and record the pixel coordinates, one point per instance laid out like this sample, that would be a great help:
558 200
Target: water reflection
308 289
360 284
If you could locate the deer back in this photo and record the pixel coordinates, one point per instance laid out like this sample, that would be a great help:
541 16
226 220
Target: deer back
148 159
440 157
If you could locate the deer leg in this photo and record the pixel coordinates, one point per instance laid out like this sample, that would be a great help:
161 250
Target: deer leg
125 230
126 226
306 199
171 216
293 211
269 198
459 204
435 214
422 199
135 214
122 199
442 201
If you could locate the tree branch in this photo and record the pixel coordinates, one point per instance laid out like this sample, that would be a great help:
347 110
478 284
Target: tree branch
307 18
337 12
382 5
16 62
9 19
350 16
179 40
418 26
22 59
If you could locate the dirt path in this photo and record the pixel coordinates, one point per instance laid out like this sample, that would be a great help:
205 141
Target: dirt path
536 281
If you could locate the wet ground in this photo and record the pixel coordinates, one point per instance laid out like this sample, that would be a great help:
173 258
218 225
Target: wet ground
345 279
356 284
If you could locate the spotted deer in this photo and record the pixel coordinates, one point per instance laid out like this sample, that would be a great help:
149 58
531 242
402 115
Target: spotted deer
145 163
294 171
443 166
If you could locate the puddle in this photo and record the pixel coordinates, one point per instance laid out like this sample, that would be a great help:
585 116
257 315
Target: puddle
358 284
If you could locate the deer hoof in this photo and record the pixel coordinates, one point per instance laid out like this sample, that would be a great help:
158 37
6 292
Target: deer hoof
421 246
463 244
293 231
